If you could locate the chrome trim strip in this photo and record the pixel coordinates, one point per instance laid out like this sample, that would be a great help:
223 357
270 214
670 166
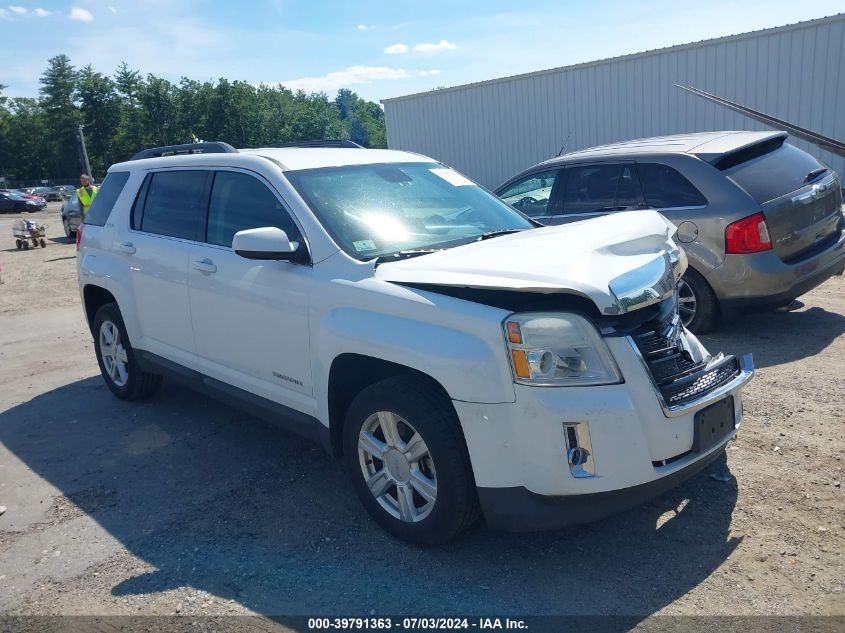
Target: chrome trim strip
746 364
650 283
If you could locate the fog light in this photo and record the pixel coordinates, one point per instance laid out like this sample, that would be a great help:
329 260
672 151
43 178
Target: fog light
578 456
579 449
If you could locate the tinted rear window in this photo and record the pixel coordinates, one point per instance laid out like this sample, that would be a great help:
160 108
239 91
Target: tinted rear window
174 201
774 174
106 196
665 187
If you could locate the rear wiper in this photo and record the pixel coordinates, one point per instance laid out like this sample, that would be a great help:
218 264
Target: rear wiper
398 255
815 174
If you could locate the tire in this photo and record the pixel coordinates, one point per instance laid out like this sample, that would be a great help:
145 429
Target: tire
126 380
18 244
705 315
68 233
416 407
26 245
43 242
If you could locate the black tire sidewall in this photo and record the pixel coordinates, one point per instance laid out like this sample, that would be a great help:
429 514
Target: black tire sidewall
446 449
110 312
707 306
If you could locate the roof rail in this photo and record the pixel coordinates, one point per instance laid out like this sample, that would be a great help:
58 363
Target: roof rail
322 143
214 147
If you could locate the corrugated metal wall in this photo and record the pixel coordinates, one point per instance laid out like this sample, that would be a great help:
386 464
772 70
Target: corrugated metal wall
493 129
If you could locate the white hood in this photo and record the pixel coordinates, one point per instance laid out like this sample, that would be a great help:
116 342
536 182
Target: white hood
620 261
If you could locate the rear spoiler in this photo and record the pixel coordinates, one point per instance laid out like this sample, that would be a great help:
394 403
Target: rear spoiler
824 142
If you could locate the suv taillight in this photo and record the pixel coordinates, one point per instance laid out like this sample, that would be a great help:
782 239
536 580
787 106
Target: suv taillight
748 235
78 235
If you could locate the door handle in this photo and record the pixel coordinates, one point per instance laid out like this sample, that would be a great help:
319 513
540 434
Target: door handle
128 248
205 266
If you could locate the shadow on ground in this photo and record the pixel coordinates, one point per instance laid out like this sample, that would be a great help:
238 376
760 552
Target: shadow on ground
776 338
223 503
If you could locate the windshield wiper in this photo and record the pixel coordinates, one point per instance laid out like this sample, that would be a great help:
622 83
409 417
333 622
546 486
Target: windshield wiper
497 233
398 255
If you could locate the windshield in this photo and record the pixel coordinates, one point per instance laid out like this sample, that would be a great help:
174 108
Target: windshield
380 209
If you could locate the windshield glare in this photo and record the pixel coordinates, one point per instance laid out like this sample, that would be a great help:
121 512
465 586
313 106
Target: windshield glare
379 209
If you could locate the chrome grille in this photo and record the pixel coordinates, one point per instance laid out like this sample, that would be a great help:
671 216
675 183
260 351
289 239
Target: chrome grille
679 378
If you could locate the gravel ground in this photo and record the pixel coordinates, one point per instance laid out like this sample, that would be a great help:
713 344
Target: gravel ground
180 505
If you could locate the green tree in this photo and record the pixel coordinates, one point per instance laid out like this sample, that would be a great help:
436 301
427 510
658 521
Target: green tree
58 85
100 106
127 112
131 133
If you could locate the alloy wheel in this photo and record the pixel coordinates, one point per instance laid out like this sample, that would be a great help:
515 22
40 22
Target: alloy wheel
397 466
687 302
113 353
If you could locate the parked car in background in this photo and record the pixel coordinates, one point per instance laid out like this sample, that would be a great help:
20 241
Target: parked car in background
64 191
26 193
13 202
67 190
48 193
71 215
460 358
759 219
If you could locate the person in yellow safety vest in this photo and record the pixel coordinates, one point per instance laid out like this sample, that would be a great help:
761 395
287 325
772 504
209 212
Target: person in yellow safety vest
86 193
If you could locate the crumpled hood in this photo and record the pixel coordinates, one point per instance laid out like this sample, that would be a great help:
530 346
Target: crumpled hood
621 261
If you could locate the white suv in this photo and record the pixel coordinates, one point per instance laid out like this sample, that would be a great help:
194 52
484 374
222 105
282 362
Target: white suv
459 358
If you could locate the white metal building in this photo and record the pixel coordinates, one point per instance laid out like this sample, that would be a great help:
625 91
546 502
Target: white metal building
493 129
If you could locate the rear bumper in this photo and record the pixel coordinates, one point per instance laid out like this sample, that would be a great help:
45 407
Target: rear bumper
763 280
520 510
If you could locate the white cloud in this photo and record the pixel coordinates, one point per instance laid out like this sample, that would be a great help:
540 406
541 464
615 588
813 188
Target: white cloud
3 14
42 13
83 15
352 76
112 9
362 27
17 10
428 73
434 47
396 49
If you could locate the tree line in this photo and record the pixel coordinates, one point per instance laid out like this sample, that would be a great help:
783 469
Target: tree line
124 113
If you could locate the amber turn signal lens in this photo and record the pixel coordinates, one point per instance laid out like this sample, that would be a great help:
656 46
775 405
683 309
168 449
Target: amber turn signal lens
520 363
514 333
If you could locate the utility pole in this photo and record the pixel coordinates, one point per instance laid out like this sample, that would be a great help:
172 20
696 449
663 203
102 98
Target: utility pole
85 154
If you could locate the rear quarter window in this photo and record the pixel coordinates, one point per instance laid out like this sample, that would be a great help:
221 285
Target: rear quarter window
107 195
666 188
774 174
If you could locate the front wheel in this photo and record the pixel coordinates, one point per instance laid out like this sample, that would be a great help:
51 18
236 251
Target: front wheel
406 454
69 233
698 306
116 357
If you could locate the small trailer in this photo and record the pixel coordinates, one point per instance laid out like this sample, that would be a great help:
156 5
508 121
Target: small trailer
25 231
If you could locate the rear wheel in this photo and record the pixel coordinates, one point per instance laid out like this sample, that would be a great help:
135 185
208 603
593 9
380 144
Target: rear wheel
407 458
18 244
43 242
116 357
698 306
68 231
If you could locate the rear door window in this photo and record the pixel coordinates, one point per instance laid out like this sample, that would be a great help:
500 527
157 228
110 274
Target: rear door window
238 202
107 195
775 173
666 188
531 195
602 187
173 203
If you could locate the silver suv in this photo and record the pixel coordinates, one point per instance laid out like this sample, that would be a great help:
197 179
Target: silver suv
759 219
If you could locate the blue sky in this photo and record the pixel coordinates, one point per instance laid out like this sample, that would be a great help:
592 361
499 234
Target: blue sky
378 49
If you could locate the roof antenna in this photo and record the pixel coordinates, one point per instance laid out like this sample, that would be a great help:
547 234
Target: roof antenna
564 144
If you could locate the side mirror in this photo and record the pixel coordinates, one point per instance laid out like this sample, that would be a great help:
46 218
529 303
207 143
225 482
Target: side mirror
267 242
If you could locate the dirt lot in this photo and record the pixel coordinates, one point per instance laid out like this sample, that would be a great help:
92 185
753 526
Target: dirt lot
181 505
